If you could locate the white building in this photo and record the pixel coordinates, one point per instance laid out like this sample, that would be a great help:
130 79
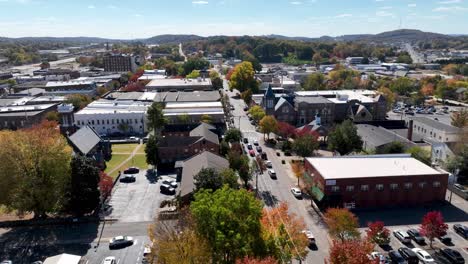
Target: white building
433 130
162 85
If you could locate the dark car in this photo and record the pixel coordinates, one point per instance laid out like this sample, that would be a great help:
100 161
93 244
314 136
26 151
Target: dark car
249 146
246 108
462 230
132 170
127 178
246 140
264 156
167 189
414 234
120 242
259 149
445 239
408 255
452 255
396 257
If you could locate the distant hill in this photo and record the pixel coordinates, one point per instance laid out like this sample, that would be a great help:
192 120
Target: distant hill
171 39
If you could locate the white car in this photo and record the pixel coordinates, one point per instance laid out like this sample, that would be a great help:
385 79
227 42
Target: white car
255 142
296 192
272 173
109 260
423 256
377 255
268 164
402 236
310 237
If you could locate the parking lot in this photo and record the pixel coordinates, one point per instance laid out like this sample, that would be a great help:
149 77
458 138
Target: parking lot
130 254
439 115
137 201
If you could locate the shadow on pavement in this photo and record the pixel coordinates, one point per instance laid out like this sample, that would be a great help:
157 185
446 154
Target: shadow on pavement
152 176
410 215
29 244
268 198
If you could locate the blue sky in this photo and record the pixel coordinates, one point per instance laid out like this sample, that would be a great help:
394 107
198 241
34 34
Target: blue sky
146 18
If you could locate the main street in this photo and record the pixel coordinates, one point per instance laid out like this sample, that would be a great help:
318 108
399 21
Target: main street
276 191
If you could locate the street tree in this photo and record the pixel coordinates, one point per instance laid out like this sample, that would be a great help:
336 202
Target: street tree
433 226
229 220
298 170
151 150
284 230
84 186
243 77
208 179
257 113
106 183
155 115
268 125
353 251
342 224
378 233
245 170
317 59
305 145
345 138
247 96
233 135
252 260
34 169
217 83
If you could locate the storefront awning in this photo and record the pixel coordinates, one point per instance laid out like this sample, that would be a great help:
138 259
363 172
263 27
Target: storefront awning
318 194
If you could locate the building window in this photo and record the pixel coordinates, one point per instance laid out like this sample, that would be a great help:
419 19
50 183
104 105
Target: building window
365 188
112 121
136 121
117 121
92 122
350 188
422 184
335 188
107 121
285 110
393 186
408 185
379 187
97 122
436 184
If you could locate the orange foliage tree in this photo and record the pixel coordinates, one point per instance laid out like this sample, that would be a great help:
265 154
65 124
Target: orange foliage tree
250 260
342 224
354 251
106 183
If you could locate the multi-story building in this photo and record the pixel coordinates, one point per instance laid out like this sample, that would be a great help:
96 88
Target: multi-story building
430 129
120 63
309 107
178 85
24 116
373 181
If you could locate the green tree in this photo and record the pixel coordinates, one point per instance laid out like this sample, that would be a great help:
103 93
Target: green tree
460 118
317 59
403 86
193 75
84 190
420 154
394 147
245 170
305 145
35 169
230 221
233 135
155 115
345 138
243 78
247 96
404 58
206 119
151 150
53 116
224 148
342 224
208 179
79 101
183 118
217 83
230 178
314 81
257 113
268 125
194 64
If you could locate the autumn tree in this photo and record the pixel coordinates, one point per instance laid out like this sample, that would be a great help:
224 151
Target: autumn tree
79 101
268 125
286 130
460 118
427 89
433 226
378 233
247 96
353 251
106 183
206 119
298 170
342 224
314 82
229 220
34 169
252 260
389 96
243 77
345 138
257 113
284 230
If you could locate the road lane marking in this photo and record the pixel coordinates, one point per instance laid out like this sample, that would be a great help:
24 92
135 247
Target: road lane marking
118 260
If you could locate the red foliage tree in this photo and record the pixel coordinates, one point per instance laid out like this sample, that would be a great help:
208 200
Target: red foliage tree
433 226
133 87
286 130
251 260
229 74
106 183
307 131
353 251
136 75
378 233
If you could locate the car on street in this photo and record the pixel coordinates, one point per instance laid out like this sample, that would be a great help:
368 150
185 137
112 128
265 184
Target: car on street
252 153
402 236
109 260
249 146
147 250
232 108
255 142
259 149
131 170
120 242
272 173
378 256
452 255
246 109
127 178
462 230
6 262
167 189
423 256
264 156
310 237
445 239
396 257
171 183
268 164
414 235
409 255
246 140
296 192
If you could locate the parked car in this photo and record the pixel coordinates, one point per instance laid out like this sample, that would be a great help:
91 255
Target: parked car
296 192
378 256
246 140
147 250
132 170
462 230
423 256
414 235
246 109
255 142
109 260
120 242
252 153
249 146
272 173
409 255
264 156
452 255
310 237
171 183
134 139
402 236
259 149
167 189
127 178
396 257
268 164
445 239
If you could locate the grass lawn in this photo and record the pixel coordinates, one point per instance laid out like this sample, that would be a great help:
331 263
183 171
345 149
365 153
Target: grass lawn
114 162
123 148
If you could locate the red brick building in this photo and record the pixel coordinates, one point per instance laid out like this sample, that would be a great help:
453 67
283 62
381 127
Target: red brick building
374 181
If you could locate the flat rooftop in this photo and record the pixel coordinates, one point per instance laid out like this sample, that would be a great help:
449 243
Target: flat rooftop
178 83
436 124
370 166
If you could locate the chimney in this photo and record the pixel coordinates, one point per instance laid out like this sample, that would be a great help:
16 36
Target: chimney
410 130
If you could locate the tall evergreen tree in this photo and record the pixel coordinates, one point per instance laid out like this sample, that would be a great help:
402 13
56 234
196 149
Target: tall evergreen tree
84 187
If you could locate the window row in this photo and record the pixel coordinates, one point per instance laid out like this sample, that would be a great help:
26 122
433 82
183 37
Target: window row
109 122
381 187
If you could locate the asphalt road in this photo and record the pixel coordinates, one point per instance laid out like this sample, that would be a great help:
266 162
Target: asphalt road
415 56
